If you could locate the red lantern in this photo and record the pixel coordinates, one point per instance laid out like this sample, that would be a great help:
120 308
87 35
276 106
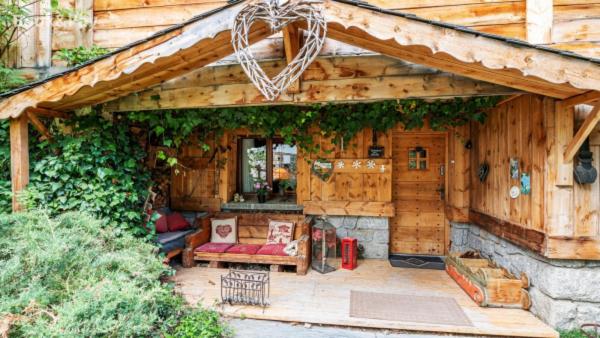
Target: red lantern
349 253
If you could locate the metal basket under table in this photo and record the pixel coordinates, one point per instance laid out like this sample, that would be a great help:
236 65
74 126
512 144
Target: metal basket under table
245 287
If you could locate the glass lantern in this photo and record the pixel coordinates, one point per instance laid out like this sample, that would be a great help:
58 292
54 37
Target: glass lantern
324 251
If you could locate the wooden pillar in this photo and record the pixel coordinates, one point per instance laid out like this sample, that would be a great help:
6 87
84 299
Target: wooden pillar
539 21
19 157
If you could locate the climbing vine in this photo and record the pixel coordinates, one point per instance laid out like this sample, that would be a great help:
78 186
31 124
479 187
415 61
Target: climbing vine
172 128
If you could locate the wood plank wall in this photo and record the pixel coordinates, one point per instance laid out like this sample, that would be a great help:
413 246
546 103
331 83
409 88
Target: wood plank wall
576 26
349 191
509 133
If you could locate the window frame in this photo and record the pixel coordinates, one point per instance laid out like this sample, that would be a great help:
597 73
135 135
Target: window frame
269 141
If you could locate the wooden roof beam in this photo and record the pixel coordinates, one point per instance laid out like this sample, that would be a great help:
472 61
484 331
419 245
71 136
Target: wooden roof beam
584 98
582 134
47 113
291 44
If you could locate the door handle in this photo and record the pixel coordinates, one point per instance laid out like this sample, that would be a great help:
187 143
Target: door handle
442 170
442 191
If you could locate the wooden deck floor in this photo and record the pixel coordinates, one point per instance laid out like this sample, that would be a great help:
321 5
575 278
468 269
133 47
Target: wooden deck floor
325 299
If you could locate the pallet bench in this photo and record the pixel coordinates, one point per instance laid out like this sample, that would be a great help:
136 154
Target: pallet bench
252 229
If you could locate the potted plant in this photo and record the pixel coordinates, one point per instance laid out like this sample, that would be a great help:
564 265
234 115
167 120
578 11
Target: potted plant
262 190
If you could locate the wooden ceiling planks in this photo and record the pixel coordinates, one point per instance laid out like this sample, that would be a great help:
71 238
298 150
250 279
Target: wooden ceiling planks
205 40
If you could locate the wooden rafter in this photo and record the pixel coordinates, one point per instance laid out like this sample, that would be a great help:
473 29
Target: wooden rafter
39 125
508 99
584 98
291 44
582 134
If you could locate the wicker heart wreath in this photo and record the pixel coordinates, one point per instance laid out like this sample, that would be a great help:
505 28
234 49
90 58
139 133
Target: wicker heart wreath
278 15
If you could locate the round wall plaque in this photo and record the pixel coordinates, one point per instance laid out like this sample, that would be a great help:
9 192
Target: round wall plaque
515 192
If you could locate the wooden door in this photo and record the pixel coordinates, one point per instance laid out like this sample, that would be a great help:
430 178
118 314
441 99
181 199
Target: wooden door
418 193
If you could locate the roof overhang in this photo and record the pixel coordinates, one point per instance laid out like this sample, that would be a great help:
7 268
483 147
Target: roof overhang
206 39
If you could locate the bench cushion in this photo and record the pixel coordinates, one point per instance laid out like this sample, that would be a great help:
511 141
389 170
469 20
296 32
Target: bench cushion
172 240
249 249
214 247
272 250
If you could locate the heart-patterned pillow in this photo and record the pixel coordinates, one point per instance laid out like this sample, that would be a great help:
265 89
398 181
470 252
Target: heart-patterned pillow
224 230
278 16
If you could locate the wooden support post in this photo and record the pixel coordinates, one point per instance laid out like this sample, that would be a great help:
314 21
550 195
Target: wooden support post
19 157
564 124
558 196
582 134
539 19
291 43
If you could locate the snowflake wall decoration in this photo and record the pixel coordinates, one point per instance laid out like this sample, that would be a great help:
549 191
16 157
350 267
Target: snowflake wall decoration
371 164
340 164
356 164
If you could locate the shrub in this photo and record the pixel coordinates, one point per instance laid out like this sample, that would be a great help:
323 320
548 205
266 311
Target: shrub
70 276
97 168
200 324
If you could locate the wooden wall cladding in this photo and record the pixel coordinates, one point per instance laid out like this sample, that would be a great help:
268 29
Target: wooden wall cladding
349 191
575 26
117 23
512 130
193 183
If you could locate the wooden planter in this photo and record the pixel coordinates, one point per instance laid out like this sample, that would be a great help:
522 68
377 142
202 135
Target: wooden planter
487 284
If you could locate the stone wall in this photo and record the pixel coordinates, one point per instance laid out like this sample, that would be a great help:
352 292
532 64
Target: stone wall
564 293
372 233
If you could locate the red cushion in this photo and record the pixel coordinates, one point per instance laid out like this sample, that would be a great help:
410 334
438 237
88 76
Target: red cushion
177 222
272 250
249 249
214 247
161 224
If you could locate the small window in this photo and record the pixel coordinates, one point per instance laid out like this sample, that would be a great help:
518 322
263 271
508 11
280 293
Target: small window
266 160
418 159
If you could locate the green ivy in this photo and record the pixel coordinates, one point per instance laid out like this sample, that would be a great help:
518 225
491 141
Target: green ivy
97 168
172 128
78 55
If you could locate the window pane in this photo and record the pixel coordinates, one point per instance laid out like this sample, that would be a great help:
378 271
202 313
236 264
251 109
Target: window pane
284 166
254 163
412 164
423 165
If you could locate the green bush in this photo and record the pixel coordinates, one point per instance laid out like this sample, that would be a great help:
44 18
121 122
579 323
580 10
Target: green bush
97 168
70 276
200 324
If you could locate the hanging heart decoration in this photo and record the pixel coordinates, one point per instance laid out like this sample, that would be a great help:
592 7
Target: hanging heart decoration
278 15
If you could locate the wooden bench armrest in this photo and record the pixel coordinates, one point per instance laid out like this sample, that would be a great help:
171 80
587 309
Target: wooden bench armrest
304 247
194 240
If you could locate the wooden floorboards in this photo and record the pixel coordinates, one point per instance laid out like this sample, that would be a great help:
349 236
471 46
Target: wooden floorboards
325 299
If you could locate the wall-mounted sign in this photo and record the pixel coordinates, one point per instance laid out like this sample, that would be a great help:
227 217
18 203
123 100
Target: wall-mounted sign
525 184
376 152
323 169
514 168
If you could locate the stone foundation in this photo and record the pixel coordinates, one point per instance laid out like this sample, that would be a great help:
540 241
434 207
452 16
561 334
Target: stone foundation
372 233
564 293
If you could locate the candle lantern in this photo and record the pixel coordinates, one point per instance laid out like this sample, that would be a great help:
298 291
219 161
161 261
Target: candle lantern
324 254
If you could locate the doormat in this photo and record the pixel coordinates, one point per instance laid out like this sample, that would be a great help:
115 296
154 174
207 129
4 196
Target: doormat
417 261
406 308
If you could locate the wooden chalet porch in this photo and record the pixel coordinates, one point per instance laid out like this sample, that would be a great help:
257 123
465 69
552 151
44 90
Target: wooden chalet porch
325 299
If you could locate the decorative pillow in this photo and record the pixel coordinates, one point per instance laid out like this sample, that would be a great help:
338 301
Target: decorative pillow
223 230
280 232
177 222
161 225
272 250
